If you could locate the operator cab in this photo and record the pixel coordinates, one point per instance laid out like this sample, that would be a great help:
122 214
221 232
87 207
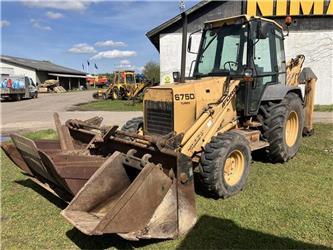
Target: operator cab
246 48
124 77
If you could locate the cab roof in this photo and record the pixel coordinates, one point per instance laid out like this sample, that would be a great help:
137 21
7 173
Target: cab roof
244 18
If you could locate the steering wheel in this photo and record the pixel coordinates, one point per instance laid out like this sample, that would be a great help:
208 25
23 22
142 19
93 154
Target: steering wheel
232 65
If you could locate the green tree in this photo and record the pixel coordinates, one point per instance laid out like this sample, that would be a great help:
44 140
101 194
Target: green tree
151 71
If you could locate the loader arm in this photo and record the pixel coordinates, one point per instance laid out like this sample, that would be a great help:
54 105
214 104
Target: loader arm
218 117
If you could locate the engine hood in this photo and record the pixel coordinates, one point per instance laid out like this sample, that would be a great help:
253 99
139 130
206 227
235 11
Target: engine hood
188 99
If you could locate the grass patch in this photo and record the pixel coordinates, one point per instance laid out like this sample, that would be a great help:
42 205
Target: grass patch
283 206
44 134
323 108
109 105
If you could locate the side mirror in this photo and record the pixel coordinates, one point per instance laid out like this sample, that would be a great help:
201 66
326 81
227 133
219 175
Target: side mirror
176 76
189 45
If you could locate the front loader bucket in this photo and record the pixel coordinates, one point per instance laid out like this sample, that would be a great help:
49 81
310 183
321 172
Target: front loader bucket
134 188
146 203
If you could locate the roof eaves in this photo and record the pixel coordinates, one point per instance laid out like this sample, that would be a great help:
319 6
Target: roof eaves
175 19
50 67
17 63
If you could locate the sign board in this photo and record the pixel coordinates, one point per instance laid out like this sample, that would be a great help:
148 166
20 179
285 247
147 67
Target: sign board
289 7
167 79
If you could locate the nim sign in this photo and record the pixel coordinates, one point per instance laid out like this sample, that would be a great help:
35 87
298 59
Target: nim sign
292 7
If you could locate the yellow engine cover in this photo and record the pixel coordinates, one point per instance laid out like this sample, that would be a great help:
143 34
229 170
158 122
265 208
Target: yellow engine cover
182 103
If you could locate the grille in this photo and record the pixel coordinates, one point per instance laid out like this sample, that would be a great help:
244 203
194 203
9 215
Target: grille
159 117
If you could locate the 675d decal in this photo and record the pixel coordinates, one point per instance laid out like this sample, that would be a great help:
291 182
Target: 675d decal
182 97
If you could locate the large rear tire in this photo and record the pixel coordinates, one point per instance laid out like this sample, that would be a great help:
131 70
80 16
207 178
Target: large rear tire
225 164
282 125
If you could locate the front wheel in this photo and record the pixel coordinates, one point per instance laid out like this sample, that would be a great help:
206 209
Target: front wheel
104 96
225 164
135 125
115 94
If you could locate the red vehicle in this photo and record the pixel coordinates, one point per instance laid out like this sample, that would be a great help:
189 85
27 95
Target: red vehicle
97 80
102 80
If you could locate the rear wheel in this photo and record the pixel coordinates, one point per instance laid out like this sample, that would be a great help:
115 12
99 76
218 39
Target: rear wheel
18 97
282 125
225 164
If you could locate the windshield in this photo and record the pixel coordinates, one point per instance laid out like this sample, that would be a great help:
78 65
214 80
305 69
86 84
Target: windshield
130 78
223 51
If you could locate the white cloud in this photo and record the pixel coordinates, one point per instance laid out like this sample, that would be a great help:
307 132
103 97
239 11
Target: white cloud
114 54
4 23
140 68
54 15
129 66
125 61
77 5
109 43
36 24
125 66
82 48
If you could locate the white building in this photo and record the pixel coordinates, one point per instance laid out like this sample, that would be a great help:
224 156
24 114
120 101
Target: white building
311 34
39 71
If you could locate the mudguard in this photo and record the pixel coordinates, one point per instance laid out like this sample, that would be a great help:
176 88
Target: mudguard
275 92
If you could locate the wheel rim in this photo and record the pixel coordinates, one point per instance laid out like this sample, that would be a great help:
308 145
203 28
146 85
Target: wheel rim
234 168
115 96
291 130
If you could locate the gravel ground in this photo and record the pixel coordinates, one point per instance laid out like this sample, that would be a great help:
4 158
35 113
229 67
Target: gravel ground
36 114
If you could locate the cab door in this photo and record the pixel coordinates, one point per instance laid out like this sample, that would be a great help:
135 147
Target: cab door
32 89
269 66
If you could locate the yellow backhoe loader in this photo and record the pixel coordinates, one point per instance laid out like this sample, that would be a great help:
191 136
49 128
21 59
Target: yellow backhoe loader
138 181
124 87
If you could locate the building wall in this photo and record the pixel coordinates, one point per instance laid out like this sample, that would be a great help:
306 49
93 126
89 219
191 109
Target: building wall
18 70
316 46
42 76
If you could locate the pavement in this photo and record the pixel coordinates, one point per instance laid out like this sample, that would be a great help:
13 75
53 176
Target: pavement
324 117
37 114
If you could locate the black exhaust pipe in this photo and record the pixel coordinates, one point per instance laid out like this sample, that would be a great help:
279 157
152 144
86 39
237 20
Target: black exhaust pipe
184 44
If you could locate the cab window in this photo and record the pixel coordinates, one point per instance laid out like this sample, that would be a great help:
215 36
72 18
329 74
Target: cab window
31 82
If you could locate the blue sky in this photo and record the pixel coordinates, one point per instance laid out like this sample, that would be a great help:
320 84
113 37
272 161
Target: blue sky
110 34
